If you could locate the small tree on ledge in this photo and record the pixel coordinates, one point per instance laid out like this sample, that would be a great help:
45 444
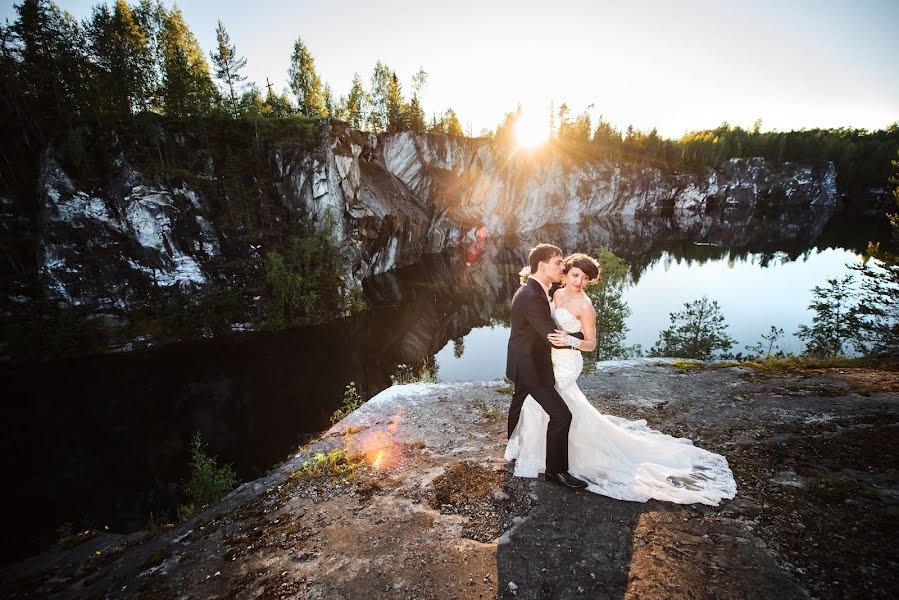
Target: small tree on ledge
878 310
611 309
835 325
696 332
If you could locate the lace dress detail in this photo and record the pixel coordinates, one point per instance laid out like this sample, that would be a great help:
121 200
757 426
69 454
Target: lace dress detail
619 458
567 363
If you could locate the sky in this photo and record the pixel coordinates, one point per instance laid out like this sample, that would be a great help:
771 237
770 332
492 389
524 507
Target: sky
676 66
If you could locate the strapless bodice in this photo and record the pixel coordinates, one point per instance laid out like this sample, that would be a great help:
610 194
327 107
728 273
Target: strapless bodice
565 320
567 362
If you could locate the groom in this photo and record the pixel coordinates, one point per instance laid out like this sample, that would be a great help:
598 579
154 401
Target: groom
528 363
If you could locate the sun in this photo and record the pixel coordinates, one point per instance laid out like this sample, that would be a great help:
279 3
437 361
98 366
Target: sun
530 132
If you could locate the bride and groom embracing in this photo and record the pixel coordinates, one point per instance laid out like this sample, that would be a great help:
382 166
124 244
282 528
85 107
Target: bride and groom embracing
555 430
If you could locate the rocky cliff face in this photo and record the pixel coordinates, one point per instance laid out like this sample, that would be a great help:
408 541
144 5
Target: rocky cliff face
403 195
388 200
108 250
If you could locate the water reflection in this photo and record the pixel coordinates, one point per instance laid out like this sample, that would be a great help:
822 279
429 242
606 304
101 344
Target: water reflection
761 268
105 440
694 238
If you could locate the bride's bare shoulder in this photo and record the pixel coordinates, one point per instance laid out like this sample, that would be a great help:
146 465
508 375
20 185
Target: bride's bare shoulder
586 304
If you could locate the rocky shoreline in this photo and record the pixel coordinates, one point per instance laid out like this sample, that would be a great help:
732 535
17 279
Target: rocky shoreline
410 498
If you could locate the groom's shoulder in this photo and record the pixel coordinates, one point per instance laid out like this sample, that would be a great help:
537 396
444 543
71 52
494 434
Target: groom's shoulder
525 292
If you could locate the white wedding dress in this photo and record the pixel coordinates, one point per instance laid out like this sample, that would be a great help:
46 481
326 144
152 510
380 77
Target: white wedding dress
618 458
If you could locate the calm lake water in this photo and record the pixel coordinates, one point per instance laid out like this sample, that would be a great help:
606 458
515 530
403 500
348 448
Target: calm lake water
752 296
105 440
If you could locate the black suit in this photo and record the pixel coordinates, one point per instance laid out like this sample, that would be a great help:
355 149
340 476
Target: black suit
529 366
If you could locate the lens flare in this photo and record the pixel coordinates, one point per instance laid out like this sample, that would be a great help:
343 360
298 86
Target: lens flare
378 446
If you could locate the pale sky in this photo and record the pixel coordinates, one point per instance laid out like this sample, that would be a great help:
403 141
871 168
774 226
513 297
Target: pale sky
676 66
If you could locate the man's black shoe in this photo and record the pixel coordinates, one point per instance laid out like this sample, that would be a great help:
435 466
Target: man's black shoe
566 480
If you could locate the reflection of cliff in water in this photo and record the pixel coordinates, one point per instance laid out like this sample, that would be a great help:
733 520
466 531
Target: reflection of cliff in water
441 299
783 236
105 440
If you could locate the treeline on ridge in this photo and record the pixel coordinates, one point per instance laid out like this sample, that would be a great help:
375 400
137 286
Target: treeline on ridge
126 59
862 158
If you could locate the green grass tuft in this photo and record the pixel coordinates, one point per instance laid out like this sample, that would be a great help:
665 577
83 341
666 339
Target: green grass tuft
351 401
208 482
336 464
687 364
492 411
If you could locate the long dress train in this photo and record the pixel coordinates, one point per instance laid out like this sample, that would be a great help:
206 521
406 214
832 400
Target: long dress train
618 458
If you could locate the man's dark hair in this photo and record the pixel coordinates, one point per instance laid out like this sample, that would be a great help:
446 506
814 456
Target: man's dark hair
542 253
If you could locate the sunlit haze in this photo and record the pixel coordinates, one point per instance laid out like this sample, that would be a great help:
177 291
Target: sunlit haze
531 129
675 66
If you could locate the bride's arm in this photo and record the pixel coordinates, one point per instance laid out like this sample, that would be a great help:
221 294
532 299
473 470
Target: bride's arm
585 339
588 326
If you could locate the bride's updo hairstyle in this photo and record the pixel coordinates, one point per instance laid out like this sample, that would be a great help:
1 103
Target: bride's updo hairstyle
585 263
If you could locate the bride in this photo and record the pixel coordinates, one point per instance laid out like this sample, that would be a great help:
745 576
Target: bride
618 458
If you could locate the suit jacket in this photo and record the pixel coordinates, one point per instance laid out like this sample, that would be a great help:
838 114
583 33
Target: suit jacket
528 362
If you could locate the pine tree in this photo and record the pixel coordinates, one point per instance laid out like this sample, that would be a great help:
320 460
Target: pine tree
187 88
606 140
697 332
451 122
52 66
305 82
355 105
608 301
329 105
388 108
765 348
878 310
122 51
278 106
150 17
415 115
436 125
835 324
377 116
227 65
505 131
580 130
396 106
564 123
